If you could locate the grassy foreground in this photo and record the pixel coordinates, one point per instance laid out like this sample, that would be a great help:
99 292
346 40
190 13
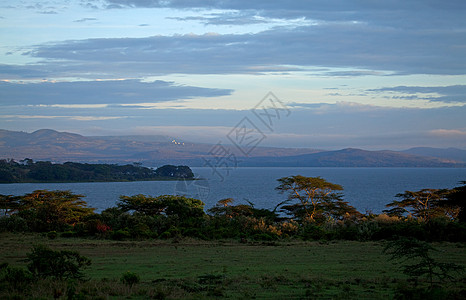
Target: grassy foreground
191 269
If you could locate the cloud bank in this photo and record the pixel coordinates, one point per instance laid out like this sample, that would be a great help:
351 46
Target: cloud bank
100 92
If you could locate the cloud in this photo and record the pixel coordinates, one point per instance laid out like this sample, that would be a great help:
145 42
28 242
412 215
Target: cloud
48 12
328 44
447 94
450 133
417 14
76 118
100 92
371 37
22 72
237 18
85 20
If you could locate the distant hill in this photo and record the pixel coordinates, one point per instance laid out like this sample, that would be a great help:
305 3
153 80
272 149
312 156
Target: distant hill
356 158
51 145
452 154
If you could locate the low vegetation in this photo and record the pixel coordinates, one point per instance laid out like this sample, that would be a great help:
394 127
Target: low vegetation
312 245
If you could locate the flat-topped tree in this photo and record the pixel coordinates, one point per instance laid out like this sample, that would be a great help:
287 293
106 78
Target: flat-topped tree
423 205
168 205
52 210
317 198
456 198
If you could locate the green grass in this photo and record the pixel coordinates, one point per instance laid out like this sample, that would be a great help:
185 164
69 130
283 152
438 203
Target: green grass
197 269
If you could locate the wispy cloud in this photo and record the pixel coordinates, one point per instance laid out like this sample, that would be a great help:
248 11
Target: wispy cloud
100 92
238 18
331 45
451 133
48 12
76 118
447 94
85 20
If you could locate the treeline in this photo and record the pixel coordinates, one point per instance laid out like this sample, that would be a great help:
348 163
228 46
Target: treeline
44 171
313 210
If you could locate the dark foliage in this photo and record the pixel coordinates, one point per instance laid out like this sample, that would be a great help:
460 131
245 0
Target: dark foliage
418 261
171 171
52 210
45 262
45 171
424 205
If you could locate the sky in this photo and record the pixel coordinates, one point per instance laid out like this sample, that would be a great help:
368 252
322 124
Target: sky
326 74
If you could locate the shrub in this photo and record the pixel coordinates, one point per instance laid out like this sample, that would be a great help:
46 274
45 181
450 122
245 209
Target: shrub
69 234
171 233
17 278
13 223
130 278
264 237
45 262
311 231
52 235
367 230
120 235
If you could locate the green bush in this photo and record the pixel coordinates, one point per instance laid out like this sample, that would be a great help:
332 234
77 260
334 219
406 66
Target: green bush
13 223
171 233
130 278
311 231
69 234
45 262
265 237
15 277
52 235
120 235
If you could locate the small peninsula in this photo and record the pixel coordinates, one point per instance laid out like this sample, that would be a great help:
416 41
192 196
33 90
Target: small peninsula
45 171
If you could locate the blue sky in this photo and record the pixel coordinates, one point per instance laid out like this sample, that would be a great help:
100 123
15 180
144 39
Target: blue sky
366 74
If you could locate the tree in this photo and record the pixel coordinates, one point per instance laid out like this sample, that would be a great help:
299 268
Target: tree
182 206
317 198
143 204
421 263
8 204
52 210
423 205
174 172
456 198
162 205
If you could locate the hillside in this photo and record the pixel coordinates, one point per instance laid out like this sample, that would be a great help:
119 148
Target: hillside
356 158
51 145
56 146
453 154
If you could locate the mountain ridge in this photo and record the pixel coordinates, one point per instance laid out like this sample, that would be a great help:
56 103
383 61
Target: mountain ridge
52 145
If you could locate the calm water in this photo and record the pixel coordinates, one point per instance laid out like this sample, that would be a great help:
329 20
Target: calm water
367 189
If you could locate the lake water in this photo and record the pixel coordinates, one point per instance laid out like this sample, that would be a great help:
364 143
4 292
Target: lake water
367 189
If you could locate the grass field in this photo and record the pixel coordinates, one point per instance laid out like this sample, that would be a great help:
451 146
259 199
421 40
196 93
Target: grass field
184 269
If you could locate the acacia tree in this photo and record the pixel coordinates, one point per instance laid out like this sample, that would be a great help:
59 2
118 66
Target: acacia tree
162 205
8 204
140 203
456 198
317 198
423 205
52 210
417 260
